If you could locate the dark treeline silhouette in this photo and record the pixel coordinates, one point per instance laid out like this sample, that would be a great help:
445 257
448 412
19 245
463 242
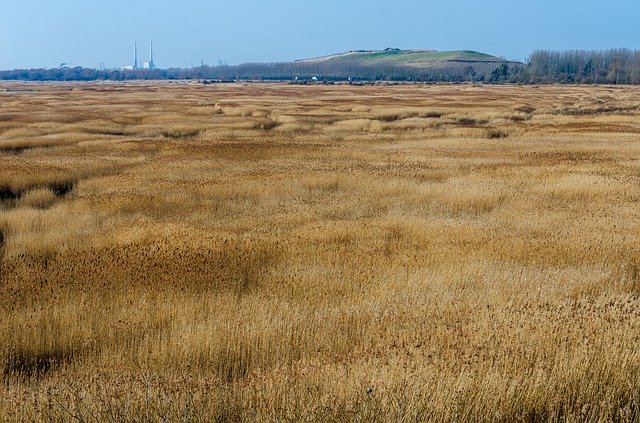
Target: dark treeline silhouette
617 66
339 71
79 74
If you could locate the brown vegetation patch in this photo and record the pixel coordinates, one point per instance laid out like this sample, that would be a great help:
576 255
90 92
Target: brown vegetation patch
181 133
520 117
318 253
497 134
34 365
528 110
629 277
10 117
430 115
12 150
36 196
265 124
63 188
8 194
600 110
110 132
468 121
396 115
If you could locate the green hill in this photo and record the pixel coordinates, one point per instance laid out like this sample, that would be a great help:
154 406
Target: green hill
414 58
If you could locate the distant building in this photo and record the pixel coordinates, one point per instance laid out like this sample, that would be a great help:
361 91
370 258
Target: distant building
150 65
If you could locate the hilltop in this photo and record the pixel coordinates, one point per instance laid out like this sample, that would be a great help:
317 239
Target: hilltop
415 58
420 64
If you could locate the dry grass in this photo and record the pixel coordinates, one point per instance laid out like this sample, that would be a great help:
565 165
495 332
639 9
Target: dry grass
273 253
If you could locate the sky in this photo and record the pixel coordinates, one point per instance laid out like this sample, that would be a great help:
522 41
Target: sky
46 33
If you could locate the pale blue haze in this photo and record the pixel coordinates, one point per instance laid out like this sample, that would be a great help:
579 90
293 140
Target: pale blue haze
39 33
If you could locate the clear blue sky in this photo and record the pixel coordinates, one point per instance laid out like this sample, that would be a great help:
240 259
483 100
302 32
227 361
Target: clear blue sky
45 33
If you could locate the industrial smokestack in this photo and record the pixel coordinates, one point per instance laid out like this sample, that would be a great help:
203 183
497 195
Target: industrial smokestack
135 55
151 64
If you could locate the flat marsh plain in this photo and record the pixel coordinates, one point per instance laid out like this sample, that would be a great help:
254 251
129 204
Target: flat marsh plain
182 252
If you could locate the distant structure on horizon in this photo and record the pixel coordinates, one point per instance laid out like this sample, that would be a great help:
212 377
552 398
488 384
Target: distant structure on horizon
150 65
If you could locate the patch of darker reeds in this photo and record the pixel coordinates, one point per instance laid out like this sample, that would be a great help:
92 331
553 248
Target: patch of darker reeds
520 118
181 134
110 132
12 196
602 110
397 116
241 270
233 363
629 277
391 117
497 134
526 109
13 149
60 189
9 194
469 121
11 117
265 124
24 364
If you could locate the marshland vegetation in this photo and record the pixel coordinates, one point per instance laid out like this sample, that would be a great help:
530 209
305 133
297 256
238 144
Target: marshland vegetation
327 253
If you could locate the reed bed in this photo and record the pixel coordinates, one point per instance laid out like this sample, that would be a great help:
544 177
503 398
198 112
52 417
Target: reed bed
181 252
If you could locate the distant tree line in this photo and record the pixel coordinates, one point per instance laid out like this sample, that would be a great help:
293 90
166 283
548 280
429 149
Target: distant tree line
326 71
618 66
79 74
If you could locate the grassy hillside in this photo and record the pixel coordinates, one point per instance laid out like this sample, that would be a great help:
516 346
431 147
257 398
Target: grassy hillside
417 58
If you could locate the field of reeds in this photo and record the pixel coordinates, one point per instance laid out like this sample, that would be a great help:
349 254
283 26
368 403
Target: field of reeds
259 253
